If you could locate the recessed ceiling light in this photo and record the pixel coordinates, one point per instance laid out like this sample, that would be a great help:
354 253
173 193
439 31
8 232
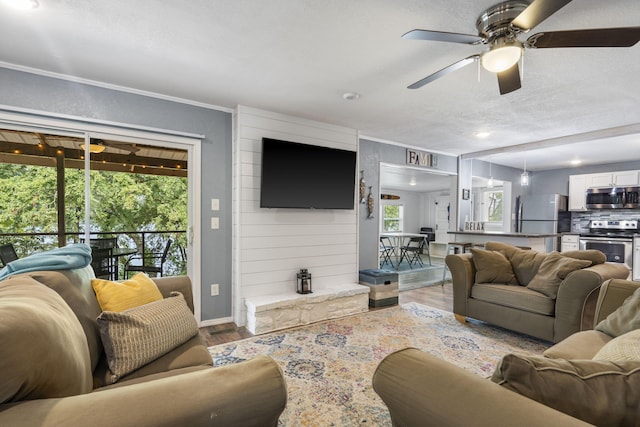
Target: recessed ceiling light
576 162
351 96
22 4
413 182
483 134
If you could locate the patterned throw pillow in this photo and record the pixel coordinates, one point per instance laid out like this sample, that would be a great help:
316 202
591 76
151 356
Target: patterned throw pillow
135 337
626 347
120 296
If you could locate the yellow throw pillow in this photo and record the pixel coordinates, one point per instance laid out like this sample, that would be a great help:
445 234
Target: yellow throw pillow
131 293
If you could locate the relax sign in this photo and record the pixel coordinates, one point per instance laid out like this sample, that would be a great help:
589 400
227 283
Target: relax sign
421 158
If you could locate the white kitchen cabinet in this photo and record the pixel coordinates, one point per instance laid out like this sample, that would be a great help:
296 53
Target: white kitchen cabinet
570 242
577 191
612 179
625 178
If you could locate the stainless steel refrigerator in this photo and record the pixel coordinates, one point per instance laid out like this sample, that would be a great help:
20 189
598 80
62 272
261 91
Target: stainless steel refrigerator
542 214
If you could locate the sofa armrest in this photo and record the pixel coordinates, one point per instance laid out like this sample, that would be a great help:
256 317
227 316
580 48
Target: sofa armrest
181 284
463 275
251 393
419 388
577 294
612 294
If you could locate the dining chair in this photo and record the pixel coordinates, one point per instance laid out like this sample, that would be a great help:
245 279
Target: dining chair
7 253
413 250
386 251
102 263
152 262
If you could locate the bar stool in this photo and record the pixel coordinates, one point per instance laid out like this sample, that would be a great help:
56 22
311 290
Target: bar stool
454 248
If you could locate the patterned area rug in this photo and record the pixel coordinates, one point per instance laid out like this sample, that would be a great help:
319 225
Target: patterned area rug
329 365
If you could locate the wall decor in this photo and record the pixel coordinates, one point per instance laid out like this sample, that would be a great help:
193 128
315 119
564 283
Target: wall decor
421 158
466 193
363 188
389 197
370 204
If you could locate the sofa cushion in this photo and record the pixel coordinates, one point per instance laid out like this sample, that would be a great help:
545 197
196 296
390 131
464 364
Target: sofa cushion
626 347
492 267
625 319
135 337
596 257
598 392
581 345
74 286
189 354
513 296
43 349
121 296
553 271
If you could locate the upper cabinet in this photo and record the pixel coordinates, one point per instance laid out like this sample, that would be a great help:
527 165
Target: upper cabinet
577 191
578 185
612 179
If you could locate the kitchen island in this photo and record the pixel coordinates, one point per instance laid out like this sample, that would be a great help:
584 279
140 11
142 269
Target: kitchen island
541 242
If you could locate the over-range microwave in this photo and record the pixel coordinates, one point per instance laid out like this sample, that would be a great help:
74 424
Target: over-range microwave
613 198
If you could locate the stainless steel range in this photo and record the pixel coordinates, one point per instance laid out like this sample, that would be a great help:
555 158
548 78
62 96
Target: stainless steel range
612 237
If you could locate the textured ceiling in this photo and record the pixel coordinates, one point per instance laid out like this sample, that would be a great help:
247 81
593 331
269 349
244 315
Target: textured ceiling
299 56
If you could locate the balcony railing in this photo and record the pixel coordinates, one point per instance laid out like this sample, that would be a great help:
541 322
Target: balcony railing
143 242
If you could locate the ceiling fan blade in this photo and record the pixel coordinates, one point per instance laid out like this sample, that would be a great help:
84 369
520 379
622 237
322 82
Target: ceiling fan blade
537 12
446 70
442 36
596 37
509 80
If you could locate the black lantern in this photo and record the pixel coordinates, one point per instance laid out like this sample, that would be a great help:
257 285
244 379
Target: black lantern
304 282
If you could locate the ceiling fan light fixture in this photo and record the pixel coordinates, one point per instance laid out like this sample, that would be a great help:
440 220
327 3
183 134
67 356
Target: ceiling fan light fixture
502 56
94 148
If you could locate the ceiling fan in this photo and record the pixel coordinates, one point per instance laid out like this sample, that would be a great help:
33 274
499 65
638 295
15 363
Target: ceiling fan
499 28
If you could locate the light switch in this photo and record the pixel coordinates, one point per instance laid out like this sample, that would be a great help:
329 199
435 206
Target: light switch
215 204
215 223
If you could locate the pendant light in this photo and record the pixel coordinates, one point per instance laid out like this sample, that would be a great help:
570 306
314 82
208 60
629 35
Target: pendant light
524 177
490 182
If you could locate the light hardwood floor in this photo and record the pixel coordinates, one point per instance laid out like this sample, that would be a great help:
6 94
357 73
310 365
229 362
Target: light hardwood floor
434 296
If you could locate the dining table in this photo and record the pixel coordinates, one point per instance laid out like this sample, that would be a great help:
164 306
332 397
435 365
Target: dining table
398 239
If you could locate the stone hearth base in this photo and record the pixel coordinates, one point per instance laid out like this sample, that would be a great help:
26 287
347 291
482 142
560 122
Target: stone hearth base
273 312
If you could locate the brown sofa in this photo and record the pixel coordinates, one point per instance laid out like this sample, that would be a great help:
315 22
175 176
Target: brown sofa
50 378
496 286
422 390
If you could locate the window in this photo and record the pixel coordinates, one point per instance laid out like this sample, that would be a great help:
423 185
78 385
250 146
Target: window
492 205
392 218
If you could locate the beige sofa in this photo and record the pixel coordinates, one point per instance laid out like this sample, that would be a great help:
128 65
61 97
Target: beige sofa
52 378
496 286
422 390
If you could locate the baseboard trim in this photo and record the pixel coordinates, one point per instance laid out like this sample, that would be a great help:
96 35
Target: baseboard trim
214 322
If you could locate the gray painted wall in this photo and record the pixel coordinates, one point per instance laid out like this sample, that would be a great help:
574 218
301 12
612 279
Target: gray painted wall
25 90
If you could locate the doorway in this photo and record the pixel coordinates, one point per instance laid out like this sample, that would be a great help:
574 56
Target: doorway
129 138
426 199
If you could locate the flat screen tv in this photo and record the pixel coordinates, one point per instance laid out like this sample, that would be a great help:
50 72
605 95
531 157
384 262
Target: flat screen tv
306 176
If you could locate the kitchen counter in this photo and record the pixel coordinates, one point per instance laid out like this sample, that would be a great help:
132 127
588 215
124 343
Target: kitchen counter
541 242
505 234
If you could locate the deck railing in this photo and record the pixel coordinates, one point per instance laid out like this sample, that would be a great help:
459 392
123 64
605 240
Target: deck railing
143 241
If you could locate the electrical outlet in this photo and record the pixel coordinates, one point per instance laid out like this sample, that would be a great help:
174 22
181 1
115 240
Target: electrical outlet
215 290
215 223
215 204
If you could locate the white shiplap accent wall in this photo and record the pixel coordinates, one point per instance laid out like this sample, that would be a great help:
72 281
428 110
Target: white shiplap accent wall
272 245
